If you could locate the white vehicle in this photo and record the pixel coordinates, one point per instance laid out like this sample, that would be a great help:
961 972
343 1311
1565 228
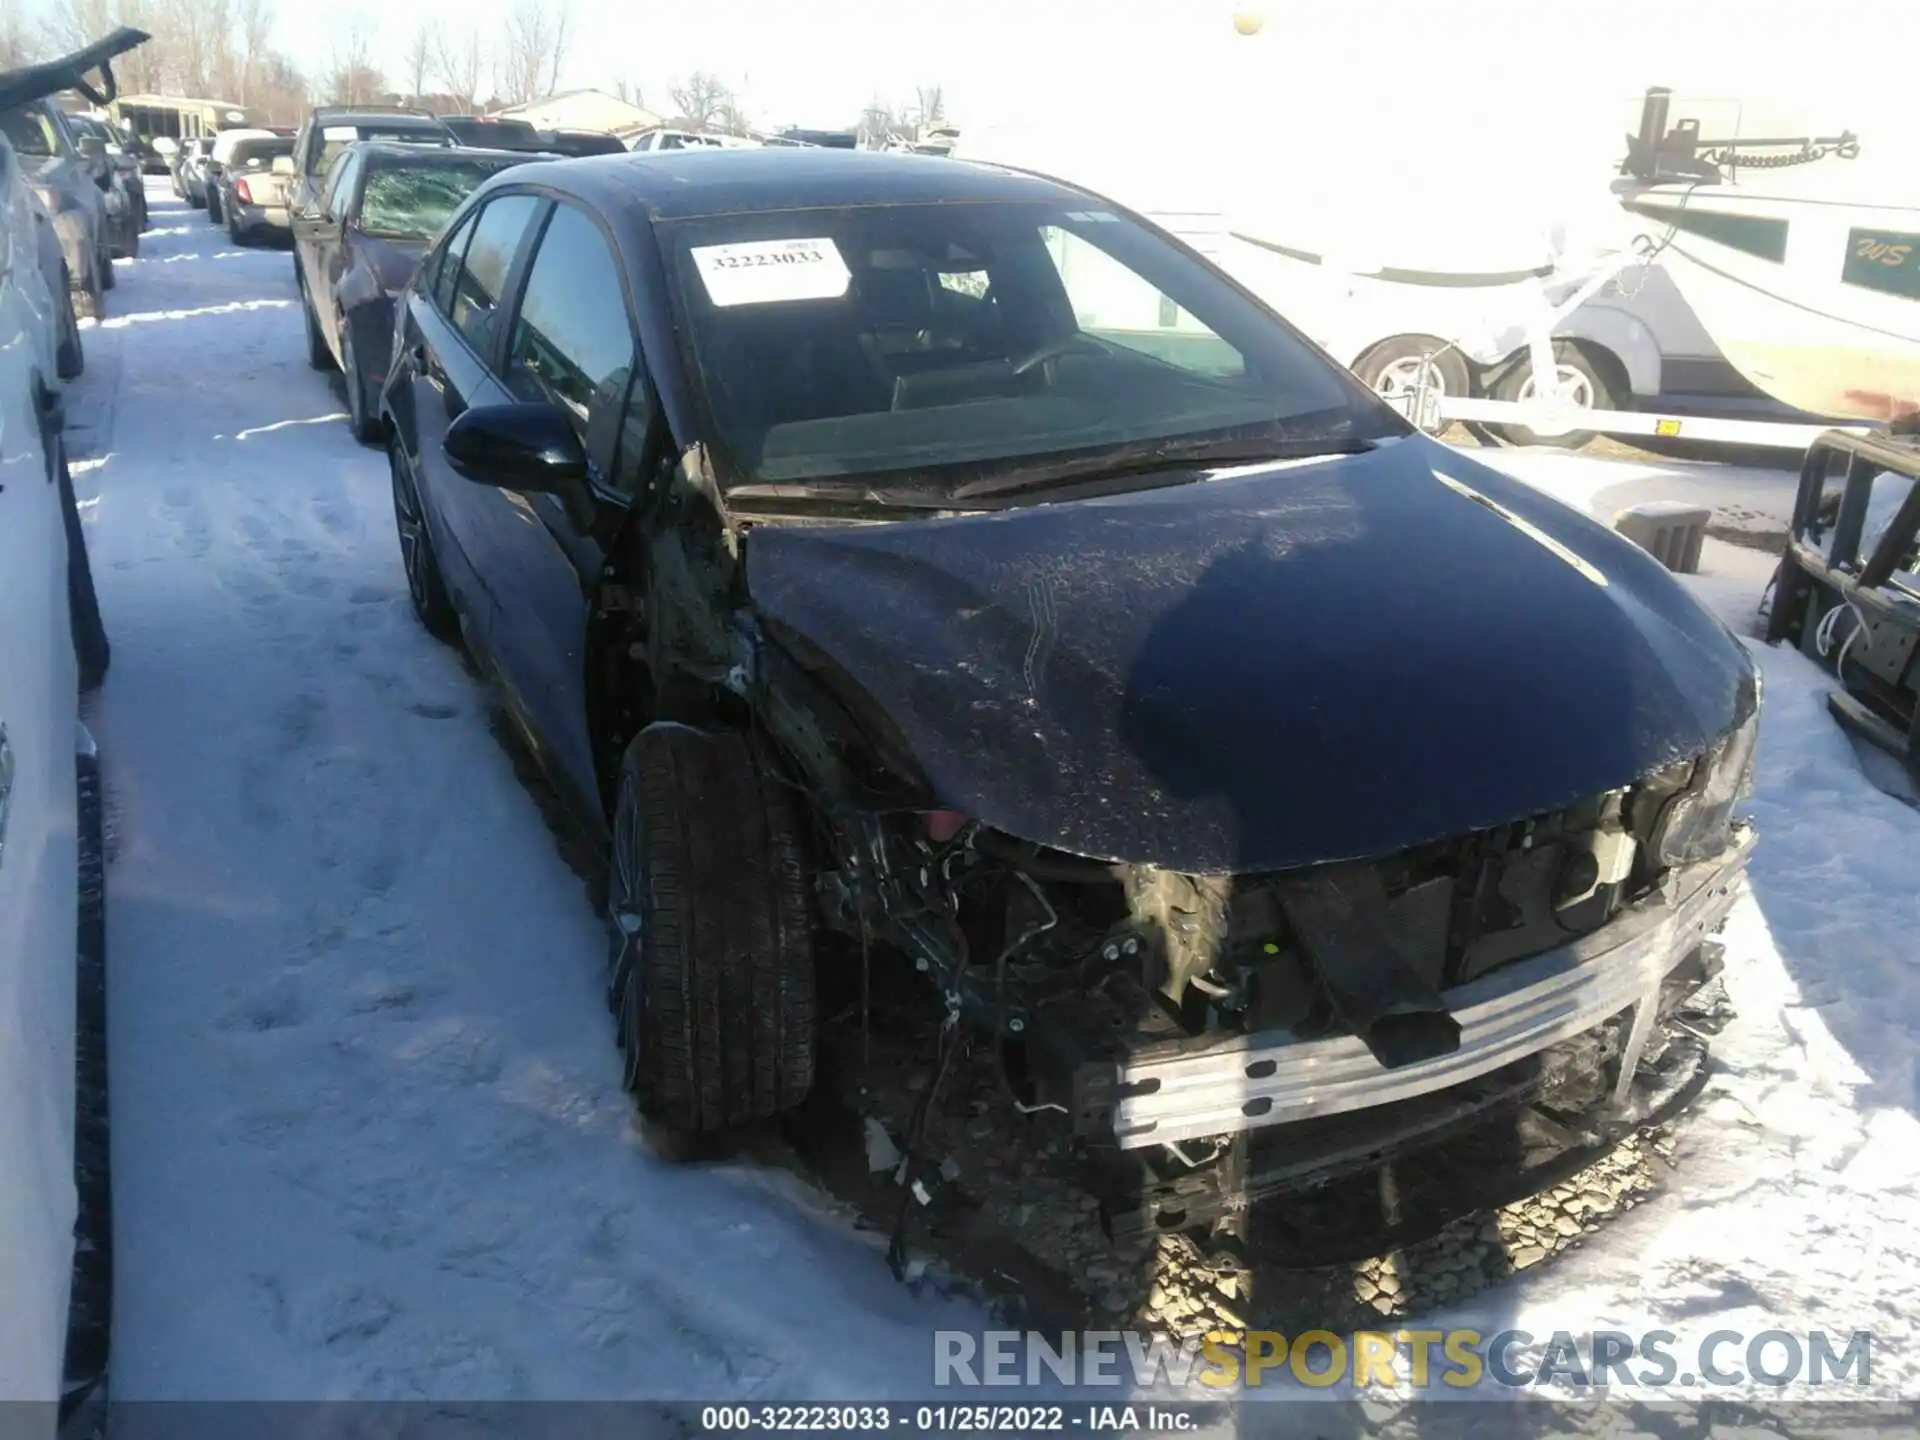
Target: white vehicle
1804 267
52 648
649 140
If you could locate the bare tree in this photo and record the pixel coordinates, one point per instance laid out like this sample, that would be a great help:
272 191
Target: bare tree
256 30
352 79
562 21
699 99
418 57
880 123
629 91
16 46
458 60
534 42
929 104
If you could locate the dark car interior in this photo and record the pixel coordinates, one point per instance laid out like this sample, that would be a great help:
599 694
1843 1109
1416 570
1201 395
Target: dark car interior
946 350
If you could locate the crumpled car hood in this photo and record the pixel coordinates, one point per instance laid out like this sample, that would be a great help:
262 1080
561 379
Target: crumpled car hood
1309 663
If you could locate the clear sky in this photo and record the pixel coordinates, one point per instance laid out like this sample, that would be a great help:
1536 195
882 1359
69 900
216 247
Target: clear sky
1446 77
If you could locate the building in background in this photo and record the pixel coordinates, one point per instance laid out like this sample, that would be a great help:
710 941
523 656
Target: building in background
585 110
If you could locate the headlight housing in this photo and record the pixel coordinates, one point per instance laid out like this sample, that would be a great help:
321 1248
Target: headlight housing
1698 823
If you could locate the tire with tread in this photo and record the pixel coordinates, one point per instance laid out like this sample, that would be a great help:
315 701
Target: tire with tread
363 419
70 360
1512 386
318 355
714 996
88 302
426 587
1390 367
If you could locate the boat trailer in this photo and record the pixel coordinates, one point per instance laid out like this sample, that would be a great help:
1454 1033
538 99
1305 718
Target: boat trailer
1847 592
1550 413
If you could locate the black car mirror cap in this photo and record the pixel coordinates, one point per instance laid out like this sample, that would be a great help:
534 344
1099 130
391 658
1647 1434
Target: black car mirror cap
530 447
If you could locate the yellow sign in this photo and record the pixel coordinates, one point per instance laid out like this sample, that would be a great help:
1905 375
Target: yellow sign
1667 427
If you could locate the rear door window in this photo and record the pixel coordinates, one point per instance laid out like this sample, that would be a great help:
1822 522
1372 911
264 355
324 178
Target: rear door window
486 266
338 190
443 268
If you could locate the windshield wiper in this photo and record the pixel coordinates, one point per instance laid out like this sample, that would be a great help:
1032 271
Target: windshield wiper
1198 458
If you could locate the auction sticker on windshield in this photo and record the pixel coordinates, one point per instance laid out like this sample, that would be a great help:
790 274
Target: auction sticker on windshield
767 272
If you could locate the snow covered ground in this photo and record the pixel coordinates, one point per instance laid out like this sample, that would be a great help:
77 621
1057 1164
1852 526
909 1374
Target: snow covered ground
369 1135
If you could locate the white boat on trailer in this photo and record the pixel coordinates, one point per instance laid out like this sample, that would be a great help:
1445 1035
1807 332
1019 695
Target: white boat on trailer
1811 288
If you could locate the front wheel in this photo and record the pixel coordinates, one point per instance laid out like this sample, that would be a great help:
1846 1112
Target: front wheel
425 585
710 933
88 302
70 361
318 355
363 416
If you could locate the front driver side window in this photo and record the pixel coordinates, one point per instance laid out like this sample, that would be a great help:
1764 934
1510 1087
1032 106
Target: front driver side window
572 344
484 269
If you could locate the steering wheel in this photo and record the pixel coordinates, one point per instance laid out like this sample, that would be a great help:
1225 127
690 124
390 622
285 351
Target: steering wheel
1054 349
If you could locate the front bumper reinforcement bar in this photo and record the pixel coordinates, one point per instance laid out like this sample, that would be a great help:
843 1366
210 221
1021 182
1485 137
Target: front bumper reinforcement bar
1180 1092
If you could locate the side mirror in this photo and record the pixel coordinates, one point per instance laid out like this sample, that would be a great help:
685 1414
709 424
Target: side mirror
528 447
282 165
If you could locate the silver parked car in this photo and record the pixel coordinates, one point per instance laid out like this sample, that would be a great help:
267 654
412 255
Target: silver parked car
253 187
65 182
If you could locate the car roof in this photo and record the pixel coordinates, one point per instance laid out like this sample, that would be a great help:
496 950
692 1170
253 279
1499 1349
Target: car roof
388 118
390 151
682 184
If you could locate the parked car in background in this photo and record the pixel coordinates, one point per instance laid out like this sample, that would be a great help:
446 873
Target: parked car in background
650 140
123 153
56 1308
188 168
216 163
356 248
857 563
65 184
254 185
331 128
577 143
492 132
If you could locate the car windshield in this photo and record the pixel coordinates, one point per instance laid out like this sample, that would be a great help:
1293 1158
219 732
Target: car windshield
413 201
335 138
30 132
949 348
258 154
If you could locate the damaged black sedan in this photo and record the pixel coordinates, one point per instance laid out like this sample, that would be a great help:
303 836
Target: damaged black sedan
907 563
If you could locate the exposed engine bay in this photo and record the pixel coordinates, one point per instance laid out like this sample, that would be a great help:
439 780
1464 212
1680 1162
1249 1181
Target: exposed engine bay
1370 1003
